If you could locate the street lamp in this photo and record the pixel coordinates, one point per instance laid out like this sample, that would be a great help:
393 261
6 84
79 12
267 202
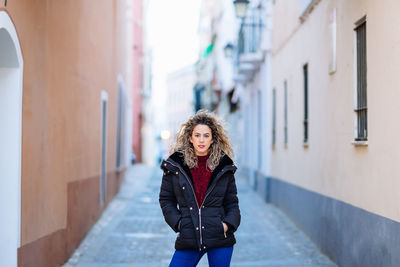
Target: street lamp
241 8
228 50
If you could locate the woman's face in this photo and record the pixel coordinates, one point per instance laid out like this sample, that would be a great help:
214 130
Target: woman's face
201 139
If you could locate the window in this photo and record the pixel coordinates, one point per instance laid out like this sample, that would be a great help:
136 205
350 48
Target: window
103 177
285 129
119 126
260 128
361 81
305 74
273 117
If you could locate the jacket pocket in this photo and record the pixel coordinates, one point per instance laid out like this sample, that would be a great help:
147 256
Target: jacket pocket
179 224
223 230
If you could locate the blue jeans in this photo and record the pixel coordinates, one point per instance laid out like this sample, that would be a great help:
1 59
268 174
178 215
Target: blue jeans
217 257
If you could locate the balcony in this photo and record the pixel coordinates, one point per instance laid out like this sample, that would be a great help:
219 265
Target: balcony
249 54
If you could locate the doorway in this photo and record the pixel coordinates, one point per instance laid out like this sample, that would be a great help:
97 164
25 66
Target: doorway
11 66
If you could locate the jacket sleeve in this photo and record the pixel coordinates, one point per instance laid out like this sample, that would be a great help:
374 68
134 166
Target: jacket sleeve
231 206
168 202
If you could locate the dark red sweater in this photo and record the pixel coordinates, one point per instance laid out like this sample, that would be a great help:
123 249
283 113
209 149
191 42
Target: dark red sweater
201 177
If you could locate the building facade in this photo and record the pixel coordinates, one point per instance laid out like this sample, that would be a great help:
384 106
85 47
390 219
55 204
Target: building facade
179 99
216 67
217 29
333 159
64 119
253 79
138 60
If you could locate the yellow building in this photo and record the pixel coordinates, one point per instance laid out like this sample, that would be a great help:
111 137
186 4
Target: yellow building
62 100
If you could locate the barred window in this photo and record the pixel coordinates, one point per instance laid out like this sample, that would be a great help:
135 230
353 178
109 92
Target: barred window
361 91
305 74
285 114
273 117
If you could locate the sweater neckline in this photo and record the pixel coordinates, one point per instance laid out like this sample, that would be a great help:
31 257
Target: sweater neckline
202 158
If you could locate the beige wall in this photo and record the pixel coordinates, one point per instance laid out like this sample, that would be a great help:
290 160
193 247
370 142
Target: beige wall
366 177
72 50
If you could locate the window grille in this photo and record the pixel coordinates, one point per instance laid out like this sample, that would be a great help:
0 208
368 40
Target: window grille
285 114
361 99
305 74
273 117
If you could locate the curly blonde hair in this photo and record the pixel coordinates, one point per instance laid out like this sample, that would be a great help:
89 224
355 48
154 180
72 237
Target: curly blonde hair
219 147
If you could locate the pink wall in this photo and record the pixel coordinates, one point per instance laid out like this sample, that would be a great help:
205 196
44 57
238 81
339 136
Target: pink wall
137 77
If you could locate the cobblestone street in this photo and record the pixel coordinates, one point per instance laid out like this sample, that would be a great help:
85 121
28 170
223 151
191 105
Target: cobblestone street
132 231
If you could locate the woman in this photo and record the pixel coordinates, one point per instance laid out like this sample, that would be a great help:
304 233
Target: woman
198 195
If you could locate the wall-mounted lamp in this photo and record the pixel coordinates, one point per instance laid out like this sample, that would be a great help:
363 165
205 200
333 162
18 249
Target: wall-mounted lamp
241 8
228 50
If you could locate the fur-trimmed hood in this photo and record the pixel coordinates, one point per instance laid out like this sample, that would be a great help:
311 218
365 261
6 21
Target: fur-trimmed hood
225 164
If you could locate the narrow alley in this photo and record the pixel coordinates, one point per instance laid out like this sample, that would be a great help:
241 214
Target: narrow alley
132 231
301 94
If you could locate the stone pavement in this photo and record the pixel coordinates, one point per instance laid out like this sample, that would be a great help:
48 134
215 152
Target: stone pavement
132 231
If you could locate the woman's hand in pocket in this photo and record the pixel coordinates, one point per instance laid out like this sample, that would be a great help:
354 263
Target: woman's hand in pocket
225 227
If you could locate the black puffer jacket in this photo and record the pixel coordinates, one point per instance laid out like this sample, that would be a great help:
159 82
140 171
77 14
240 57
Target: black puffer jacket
200 227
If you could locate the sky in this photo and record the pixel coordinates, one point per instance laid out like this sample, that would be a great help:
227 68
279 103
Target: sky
172 33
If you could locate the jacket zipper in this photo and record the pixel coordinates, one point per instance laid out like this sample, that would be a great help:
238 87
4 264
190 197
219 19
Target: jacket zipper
211 189
199 207
201 235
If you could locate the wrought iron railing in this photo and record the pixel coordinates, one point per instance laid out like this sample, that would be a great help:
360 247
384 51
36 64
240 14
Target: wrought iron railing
250 32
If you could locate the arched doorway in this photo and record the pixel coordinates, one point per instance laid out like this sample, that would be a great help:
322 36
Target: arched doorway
11 66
